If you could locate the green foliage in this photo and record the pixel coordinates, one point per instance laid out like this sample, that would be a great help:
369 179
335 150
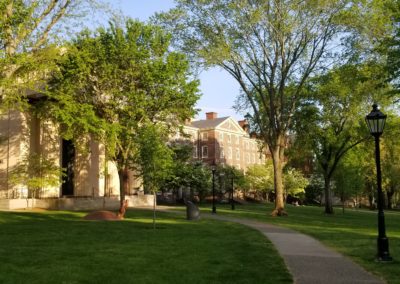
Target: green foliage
260 177
35 172
154 157
28 33
294 182
313 192
390 160
187 173
271 48
349 176
331 121
118 81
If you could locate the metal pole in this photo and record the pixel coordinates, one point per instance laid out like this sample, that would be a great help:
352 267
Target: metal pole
232 201
383 242
214 209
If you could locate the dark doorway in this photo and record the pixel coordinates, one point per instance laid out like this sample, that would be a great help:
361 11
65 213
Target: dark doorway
67 162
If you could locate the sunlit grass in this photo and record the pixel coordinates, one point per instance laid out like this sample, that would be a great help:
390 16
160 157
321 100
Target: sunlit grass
353 233
60 247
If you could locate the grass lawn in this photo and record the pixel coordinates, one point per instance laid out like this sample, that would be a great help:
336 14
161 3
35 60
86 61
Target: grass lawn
353 233
59 247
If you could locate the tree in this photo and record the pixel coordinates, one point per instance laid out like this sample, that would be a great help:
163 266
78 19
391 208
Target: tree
270 47
390 159
349 176
26 29
331 120
261 178
154 159
36 172
126 79
294 182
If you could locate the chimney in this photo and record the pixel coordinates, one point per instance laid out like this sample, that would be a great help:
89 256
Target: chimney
211 115
244 124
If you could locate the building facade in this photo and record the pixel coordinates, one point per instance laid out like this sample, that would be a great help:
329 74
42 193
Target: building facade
224 141
90 181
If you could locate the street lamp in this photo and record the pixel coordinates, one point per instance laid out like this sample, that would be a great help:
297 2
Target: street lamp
376 122
232 201
213 169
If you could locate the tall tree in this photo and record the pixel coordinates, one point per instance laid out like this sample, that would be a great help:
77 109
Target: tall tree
390 159
270 48
332 120
127 79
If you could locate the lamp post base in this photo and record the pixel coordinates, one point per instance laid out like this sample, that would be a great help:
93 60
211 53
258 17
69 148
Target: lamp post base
214 210
383 250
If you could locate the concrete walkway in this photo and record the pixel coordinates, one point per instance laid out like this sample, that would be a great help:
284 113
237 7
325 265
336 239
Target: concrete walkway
307 259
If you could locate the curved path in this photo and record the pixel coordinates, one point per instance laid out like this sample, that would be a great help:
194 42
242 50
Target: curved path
307 259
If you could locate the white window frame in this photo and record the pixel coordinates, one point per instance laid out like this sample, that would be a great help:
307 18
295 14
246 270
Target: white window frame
204 136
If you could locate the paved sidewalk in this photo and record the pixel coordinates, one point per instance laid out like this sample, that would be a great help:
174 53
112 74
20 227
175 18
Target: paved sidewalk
307 259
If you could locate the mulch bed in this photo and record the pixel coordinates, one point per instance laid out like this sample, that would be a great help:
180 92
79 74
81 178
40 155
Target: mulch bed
102 216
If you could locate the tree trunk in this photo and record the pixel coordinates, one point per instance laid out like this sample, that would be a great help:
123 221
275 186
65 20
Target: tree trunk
328 195
389 195
123 183
277 159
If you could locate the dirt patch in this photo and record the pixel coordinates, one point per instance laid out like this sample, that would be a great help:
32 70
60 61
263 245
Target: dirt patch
102 216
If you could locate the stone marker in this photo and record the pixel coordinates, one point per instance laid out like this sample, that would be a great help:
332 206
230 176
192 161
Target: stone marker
192 211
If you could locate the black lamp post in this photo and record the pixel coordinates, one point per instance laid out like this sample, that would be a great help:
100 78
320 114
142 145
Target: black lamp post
232 201
376 122
213 169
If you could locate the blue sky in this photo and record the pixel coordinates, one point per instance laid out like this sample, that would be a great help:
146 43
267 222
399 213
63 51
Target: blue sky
218 88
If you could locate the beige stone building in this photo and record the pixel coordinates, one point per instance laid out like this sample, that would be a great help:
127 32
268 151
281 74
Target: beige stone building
89 182
224 141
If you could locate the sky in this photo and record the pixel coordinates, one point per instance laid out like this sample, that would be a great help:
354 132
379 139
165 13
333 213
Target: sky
219 90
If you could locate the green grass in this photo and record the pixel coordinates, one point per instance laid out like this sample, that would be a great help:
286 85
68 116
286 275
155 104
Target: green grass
354 233
59 247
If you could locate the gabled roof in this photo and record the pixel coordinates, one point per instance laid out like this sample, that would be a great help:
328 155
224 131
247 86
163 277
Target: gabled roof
209 123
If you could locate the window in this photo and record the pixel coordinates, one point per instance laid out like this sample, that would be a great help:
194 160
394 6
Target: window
237 154
229 138
195 152
248 158
247 144
204 136
221 136
221 153
204 152
230 153
237 140
254 158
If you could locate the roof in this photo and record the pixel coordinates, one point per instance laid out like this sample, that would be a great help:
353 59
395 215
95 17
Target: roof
208 123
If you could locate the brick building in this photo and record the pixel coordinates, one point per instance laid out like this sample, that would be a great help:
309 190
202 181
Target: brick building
225 141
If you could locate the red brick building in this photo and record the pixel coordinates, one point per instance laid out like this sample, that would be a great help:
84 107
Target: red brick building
225 141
